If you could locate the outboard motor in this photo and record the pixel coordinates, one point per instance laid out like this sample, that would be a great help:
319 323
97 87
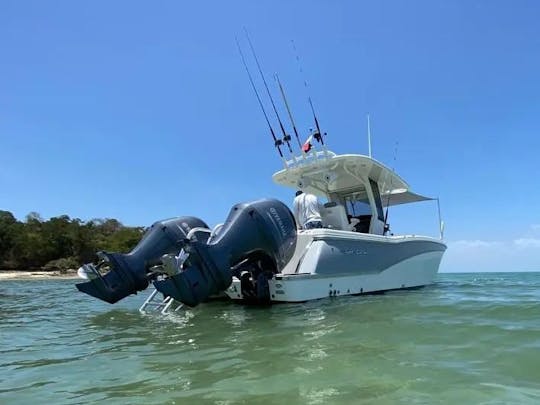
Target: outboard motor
128 272
264 228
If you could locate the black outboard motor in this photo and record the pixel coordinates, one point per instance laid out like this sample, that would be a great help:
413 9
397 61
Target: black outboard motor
260 228
128 272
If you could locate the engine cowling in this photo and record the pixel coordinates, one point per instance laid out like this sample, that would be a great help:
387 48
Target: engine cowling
263 231
128 272
264 227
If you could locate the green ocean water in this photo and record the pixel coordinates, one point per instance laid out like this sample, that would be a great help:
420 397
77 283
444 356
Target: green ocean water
468 339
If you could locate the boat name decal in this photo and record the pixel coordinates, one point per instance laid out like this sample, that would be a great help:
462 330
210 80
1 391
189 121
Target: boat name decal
359 252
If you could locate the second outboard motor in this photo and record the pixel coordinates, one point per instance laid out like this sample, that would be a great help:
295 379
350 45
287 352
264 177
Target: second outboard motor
128 272
264 227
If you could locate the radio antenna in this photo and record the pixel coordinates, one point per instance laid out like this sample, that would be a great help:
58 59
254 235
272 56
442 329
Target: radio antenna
286 137
288 110
318 134
277 142
369 135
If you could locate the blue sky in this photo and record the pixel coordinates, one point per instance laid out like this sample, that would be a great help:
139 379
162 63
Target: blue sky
142 111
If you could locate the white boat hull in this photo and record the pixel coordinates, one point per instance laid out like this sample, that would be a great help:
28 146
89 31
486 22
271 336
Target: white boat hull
417 270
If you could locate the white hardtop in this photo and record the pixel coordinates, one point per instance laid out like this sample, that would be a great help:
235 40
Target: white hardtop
323 173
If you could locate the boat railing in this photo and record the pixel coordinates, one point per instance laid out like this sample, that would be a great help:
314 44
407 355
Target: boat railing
308 158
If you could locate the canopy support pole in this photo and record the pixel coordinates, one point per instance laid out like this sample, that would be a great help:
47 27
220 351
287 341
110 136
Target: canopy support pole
441 222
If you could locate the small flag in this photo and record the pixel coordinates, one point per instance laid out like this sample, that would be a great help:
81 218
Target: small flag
306 147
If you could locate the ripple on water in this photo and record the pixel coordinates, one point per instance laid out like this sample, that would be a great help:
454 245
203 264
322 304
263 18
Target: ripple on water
469 338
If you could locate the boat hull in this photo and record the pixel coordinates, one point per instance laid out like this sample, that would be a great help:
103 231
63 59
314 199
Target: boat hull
330 265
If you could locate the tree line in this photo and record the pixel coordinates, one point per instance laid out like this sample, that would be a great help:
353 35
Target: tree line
60 242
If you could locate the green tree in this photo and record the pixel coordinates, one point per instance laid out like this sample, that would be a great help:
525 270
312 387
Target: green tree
7 234
60 242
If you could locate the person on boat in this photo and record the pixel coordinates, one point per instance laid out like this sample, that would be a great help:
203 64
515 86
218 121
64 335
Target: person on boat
306 211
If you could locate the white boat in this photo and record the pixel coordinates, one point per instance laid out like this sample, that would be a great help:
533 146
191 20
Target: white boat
259 256
354 252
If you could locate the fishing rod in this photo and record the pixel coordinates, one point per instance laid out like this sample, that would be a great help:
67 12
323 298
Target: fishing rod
277 142
318 134
286 137
288 110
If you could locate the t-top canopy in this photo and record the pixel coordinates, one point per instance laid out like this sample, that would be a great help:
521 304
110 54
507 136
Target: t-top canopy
402 196
324 172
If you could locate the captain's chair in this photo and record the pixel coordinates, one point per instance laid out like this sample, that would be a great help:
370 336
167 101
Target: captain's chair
334 216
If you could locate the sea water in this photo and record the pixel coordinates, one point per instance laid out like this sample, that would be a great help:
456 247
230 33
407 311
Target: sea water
468 339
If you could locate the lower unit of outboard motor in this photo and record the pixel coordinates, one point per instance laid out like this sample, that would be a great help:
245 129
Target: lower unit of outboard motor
128 272
264 228
254 275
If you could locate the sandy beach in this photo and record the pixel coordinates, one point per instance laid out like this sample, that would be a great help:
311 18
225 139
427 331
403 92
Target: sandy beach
36 275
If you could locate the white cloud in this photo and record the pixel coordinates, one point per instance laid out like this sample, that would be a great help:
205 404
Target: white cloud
521 254
527 242
472 244
535 227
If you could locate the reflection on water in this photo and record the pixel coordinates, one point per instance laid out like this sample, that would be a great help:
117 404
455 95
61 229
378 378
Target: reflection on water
470 338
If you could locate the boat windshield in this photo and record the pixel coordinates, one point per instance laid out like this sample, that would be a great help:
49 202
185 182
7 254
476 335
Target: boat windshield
358 211
357 205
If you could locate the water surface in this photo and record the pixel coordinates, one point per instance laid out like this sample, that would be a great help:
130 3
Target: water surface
470 338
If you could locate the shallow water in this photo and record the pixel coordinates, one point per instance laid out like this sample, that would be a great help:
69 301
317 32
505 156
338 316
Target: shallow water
470 339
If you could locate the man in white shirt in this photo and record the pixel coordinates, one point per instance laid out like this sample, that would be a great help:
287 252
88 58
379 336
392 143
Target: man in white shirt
306 211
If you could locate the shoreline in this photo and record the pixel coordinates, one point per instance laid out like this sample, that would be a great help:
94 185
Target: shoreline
36 275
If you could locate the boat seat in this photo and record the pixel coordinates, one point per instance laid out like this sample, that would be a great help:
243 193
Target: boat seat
334 216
